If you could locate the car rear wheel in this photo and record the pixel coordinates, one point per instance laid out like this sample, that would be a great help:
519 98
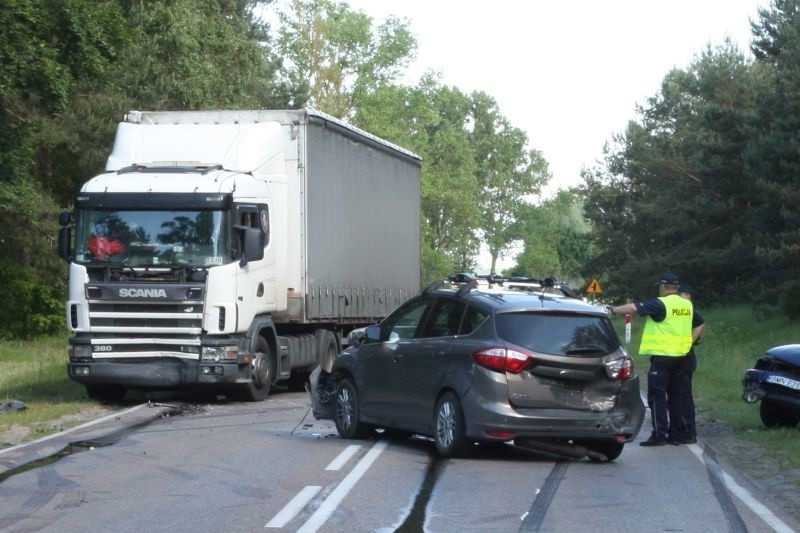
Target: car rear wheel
347 412
776 416
449 427
611 449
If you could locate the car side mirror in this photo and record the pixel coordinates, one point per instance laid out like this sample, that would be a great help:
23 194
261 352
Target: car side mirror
372 333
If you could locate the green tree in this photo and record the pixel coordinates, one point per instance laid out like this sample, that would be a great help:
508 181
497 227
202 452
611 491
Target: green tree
674 194
556 240
773 159
47 50
336 55
508 172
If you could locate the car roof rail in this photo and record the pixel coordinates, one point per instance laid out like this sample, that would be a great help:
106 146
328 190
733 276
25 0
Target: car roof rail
433 286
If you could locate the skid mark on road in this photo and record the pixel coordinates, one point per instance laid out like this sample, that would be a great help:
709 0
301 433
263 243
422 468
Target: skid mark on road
533 519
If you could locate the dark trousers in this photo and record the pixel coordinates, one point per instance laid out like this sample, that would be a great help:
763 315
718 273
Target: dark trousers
666 374
680 402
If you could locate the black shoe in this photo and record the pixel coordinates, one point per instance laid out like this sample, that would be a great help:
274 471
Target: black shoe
653 441
687 440
674 442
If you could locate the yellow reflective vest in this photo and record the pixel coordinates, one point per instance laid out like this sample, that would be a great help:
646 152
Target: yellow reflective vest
673 335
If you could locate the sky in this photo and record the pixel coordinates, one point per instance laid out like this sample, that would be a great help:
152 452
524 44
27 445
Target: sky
568 72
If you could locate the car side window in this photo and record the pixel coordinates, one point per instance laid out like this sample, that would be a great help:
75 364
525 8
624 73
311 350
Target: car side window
444 319
405 321
472 319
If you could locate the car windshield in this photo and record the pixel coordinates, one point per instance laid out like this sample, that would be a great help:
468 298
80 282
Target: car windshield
152 238
559 334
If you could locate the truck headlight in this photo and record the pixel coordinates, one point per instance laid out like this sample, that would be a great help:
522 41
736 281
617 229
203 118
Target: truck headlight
80 351
219 353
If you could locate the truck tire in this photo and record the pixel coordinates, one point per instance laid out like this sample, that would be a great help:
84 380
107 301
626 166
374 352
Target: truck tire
327 349
106 393
263 373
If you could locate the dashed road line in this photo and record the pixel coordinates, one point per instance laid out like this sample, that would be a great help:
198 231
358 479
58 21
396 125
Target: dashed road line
343 457
336 497
294 507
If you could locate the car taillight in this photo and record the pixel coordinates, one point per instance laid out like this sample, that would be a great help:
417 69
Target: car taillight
502 359
620 369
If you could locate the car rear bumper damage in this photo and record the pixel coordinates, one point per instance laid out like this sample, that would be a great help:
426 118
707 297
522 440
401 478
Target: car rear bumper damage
492 420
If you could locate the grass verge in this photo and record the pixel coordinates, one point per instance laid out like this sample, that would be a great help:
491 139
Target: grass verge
35 372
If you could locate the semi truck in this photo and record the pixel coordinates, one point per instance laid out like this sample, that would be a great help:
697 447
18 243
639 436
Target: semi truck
234 250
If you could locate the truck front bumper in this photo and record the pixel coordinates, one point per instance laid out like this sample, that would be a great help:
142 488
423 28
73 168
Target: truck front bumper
159 374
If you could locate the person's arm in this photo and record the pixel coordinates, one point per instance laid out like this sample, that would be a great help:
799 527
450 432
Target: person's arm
697 332
624 309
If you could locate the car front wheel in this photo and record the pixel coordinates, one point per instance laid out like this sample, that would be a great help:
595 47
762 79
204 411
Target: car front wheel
449 427
347 412
776 416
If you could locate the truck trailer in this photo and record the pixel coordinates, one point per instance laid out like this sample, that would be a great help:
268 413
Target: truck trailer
233 250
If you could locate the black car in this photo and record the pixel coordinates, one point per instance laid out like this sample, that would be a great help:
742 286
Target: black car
775 381
467 365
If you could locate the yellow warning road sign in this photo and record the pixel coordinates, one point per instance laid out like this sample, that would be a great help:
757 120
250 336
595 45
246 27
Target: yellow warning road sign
594 287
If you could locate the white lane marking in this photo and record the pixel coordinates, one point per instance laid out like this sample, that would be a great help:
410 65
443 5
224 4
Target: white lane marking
343 457
330 504
740 492
291 509
743 494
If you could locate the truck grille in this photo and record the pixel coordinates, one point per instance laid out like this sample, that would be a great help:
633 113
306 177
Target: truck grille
145 308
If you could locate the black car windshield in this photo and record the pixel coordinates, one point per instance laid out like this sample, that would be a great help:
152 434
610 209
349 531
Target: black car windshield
559 334
152 238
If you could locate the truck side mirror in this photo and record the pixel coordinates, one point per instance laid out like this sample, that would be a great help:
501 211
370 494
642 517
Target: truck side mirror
65 236
64 243
253 246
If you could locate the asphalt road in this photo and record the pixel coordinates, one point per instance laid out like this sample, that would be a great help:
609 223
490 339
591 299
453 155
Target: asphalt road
270 466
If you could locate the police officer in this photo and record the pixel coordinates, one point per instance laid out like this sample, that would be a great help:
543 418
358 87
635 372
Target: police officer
667 339
682 427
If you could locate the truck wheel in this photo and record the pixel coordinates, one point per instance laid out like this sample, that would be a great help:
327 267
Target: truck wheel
348 411
327 348
263 370
449 427
106 393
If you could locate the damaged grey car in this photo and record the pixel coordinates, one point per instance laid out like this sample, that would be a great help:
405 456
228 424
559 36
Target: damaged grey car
463 365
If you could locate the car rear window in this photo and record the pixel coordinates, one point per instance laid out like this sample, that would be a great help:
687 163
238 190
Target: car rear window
558 334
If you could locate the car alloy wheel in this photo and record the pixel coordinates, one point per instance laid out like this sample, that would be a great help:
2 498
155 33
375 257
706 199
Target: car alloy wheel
347 411
449 427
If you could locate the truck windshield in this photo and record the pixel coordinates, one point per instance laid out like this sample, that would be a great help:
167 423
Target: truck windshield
152 238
